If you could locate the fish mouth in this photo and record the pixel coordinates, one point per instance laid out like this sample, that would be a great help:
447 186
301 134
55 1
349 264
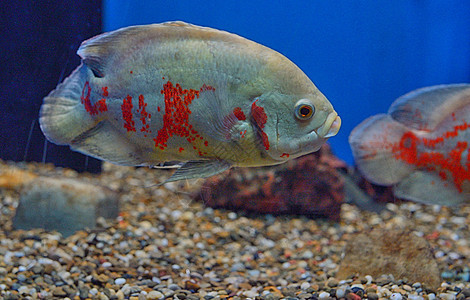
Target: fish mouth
330 127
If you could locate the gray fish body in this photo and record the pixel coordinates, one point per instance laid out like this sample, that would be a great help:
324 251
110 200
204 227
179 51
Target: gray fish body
422 146
178 92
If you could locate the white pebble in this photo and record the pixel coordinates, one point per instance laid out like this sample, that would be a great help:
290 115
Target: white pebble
341 292
176 214
454 255
307 254
415 297
120 281
107 264
232 215
447 296
305 285
23 290
383 291
396 296
155 295
431 296
94 291
21 268
286 265
323 295
369 279
251 293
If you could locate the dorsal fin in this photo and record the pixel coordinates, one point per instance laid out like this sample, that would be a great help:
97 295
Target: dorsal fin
100 50
425 108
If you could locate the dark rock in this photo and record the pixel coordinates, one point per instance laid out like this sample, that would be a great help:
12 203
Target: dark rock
400 253
65 205
309 185
466 292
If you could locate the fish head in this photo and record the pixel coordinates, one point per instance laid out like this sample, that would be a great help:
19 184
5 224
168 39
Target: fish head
290 126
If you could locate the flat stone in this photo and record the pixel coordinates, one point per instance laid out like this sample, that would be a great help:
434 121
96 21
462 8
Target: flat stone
400 253
64 205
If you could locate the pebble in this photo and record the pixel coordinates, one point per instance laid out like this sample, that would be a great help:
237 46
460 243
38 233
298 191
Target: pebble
155 295
396 296
305 285
59 292
352 296
447 296
341 292
168 248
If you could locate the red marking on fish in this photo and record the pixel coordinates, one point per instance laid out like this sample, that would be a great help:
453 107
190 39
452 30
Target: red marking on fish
126 109
158 108
243 133
259 117
286 155
237 111
105 91
93 109
131 72
206 88
181 149
446 164
144 115
176 116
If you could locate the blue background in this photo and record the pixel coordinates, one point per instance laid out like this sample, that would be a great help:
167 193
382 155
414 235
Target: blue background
360 54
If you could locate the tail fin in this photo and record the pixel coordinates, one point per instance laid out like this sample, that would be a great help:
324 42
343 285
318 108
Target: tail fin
64 120
373 143
62 117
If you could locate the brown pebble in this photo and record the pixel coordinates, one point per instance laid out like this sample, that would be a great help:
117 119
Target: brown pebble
48 268
372 296
59 292
191 285
332 282
245 286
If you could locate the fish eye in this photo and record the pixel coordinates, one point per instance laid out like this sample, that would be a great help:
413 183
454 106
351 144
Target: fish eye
304 110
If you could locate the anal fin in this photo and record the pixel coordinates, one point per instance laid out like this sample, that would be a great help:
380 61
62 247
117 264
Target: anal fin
429 188
199 169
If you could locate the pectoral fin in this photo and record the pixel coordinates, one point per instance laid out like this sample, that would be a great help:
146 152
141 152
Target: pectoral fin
429 188
199 169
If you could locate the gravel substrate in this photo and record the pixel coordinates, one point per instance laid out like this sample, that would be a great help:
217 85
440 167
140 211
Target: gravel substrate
165 245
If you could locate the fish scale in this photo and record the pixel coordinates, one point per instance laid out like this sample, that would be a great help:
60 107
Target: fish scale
421 147
176 92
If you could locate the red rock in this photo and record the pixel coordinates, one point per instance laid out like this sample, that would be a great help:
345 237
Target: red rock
309 185
352 296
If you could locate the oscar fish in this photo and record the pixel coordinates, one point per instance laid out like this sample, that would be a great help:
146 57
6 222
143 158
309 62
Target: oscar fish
421 147
197 97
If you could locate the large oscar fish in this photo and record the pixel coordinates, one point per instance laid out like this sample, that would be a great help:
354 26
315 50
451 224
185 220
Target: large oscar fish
422 146
176 92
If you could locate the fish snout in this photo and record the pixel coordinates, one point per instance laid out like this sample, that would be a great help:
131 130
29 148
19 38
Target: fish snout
330 127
